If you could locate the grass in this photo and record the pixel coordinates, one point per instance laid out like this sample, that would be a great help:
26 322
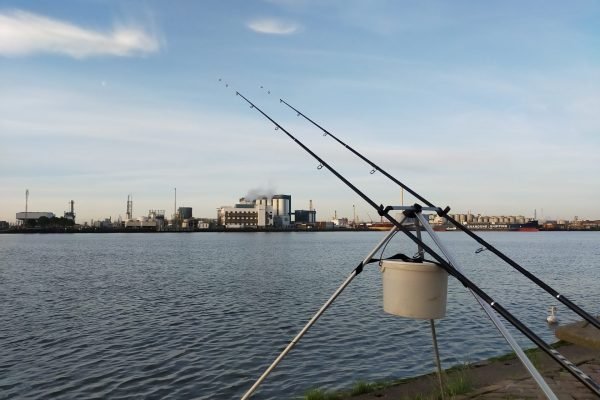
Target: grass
358 388
320 394
362 387
458 382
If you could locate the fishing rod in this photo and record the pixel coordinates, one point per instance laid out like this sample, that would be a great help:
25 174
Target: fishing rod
451 270
444 213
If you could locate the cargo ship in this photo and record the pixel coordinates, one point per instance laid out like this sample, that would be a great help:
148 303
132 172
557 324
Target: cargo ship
529 226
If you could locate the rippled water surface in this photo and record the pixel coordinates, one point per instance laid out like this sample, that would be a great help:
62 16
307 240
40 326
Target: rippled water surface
201 315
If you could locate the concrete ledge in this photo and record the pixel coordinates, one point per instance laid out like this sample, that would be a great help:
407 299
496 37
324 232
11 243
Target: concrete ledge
581 333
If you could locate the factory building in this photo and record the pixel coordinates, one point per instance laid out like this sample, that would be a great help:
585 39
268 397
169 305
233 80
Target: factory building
305 216
184 213
33 216
257 213
155 221
245 216
70 215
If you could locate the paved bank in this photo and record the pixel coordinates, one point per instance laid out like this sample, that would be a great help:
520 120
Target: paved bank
505 379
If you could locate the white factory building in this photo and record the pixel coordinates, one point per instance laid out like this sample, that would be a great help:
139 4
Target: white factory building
33 215
261 212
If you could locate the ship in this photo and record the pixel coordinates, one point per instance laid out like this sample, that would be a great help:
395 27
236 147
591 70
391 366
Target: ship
529 226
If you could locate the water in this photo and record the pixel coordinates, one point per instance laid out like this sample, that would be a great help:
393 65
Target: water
201 315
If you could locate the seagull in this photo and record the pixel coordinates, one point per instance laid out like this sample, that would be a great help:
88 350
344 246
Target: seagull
551 319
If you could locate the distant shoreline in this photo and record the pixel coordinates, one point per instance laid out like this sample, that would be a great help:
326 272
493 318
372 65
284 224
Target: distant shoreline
249 230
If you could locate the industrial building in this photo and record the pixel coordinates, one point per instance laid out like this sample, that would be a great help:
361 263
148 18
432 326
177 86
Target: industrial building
184 213
305 216
245 215
261 212
155 221
33 216
70 215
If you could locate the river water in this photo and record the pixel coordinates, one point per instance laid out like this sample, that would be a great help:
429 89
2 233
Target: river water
201 315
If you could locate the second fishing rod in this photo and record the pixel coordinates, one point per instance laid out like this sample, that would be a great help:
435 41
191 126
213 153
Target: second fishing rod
444 213
384 212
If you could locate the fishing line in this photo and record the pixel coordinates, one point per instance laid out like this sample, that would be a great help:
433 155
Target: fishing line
384 212
384 247
444 213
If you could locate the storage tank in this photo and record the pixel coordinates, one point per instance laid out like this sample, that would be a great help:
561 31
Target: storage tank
282 204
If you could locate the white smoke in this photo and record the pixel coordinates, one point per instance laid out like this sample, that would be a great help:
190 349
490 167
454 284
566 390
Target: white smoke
259 192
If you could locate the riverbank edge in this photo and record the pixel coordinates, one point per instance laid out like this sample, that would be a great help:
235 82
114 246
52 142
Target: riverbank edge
464 381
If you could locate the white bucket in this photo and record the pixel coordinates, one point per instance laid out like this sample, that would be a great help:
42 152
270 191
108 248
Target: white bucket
414 290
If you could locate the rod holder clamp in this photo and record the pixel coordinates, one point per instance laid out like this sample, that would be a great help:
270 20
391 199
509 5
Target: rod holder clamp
384 211
413 211
444 212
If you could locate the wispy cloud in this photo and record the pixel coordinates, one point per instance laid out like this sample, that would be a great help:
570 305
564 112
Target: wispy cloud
23 33
273 26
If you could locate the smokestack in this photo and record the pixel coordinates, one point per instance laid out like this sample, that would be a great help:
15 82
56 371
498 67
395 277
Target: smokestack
129 212
26 203
310 207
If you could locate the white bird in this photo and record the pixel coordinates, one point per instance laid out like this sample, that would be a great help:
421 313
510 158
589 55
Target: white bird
552 317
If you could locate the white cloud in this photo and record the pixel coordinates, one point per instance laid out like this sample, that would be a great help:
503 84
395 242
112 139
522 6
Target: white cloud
23 33
272 26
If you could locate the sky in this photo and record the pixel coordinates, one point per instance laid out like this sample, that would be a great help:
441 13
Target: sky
488 107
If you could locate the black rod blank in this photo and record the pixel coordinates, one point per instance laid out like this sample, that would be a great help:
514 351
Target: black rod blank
563 299
384 212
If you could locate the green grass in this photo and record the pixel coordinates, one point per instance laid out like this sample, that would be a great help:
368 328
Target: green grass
458 382
320 394
362 387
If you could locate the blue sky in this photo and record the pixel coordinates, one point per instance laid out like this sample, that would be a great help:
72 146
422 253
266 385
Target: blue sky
485 107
